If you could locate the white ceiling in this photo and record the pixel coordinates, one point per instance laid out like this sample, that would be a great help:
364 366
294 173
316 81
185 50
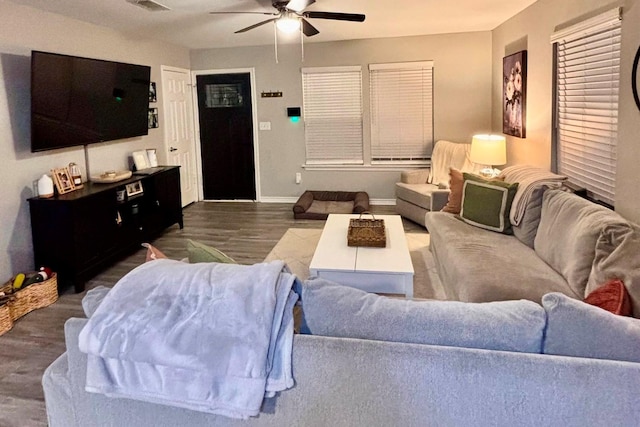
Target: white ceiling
189 24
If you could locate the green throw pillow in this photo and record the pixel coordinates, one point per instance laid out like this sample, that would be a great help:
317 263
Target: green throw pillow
487 203
199 252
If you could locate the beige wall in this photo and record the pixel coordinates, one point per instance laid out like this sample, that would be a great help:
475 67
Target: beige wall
462 98
531 30
22 30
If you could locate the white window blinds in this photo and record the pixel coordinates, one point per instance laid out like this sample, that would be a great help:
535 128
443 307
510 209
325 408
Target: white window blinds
588 68
401 112
332 99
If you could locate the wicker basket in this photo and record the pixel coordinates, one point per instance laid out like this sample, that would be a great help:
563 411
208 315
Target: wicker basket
5 319
26 300
366 232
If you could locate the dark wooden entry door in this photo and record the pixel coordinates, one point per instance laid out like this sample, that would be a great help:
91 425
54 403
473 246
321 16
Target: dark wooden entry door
226 136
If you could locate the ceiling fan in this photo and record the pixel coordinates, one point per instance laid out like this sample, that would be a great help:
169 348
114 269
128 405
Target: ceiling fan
290 17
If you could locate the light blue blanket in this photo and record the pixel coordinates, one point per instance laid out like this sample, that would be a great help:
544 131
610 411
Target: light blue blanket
210 337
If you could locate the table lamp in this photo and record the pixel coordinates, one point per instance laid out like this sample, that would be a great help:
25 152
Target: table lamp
490 150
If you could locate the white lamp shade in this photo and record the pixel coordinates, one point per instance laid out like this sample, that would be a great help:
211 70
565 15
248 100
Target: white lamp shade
489 150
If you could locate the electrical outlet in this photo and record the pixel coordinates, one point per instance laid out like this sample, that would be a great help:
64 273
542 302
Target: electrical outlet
265 125
298 177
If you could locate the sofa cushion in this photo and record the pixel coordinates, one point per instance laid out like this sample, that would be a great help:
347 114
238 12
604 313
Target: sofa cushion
612 296
418 194
478 265
578 329
335 310
569 229
487 203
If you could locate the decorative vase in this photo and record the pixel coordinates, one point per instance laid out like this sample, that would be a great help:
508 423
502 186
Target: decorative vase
45 186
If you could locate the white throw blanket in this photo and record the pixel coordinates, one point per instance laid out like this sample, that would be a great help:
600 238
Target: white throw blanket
210 337
448 154
528 179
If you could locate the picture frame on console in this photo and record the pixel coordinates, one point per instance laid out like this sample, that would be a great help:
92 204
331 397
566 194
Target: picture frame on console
134 188
62 180
140 159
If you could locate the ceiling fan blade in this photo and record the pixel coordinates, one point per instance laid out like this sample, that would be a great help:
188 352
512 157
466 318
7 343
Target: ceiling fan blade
299 5
355 17
308 29
246 13
255 25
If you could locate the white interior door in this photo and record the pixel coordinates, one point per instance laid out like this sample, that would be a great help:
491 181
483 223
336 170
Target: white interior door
179 139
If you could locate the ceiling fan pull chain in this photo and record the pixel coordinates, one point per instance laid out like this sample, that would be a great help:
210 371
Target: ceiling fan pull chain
275 39
302 42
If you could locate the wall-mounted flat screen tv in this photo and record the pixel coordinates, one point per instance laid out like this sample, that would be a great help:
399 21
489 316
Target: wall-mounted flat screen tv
80 101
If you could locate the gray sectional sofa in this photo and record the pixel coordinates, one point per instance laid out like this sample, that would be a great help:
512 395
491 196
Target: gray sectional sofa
565 244
377 361
542 358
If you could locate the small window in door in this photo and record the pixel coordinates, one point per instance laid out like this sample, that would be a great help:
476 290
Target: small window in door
223 95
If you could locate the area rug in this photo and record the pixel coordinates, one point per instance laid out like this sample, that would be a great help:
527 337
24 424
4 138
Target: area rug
297 245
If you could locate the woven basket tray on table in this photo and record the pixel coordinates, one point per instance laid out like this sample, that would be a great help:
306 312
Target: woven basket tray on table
26 300
366 232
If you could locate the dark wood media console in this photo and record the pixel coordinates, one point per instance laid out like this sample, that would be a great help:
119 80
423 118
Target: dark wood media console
79 233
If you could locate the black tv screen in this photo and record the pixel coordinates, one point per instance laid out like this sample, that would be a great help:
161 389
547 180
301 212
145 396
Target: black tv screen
79 101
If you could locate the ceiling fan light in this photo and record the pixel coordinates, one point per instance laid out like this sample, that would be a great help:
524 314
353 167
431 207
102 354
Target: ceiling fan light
288 24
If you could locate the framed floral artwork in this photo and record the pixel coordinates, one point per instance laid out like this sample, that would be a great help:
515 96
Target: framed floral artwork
514 84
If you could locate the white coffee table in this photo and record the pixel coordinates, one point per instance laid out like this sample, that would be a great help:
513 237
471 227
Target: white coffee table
381 270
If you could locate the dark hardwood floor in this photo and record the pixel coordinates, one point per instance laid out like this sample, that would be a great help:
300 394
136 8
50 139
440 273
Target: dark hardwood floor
245 231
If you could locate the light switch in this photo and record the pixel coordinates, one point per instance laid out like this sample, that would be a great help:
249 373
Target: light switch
265 125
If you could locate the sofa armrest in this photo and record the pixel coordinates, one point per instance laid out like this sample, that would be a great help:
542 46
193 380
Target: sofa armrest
439 199
303 202
415 176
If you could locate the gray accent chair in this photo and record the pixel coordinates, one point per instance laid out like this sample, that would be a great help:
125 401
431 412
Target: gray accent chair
427 190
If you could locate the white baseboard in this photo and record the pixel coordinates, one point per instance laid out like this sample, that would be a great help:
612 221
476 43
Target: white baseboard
278 199
381 202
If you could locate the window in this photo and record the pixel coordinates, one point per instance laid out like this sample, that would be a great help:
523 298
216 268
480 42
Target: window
332 99
401 112
586 117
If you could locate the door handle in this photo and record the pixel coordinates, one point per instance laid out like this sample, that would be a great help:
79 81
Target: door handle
172 149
